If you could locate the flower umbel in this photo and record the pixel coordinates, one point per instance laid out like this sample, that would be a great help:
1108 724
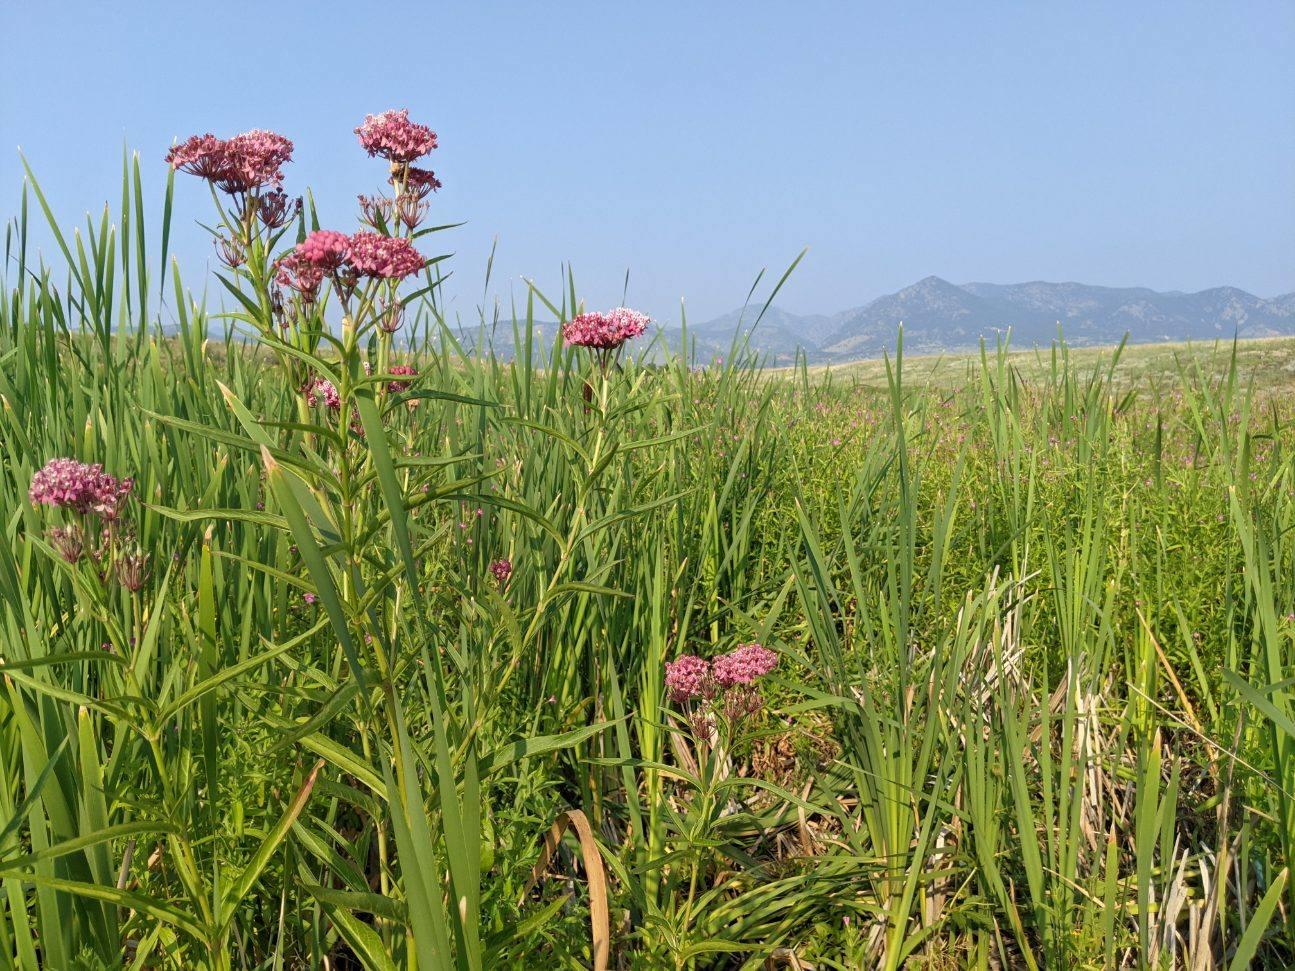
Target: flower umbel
744 665
252 160
275 209
421 182
391 135
131 570
384 257
324 249
689 677
200 155
68 541
319 389
69 484
298 273
726 682
605 331
404 370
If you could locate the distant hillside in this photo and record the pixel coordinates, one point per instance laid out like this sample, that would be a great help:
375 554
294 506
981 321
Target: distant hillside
942 316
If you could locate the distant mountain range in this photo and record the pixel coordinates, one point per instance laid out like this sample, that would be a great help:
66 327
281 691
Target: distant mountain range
941 316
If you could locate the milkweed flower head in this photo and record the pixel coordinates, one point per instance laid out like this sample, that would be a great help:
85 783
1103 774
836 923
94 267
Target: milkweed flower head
324 249
275 209
252 160
411 208
501 570
723 686
298 273
86 489
689 677
200 155
375 211
384 257
744 665
231 252
68 541
604 331
391 135
403 370
420 182
255 159
319 389
131 569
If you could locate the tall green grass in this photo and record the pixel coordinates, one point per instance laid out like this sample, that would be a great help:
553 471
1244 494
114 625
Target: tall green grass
1034 707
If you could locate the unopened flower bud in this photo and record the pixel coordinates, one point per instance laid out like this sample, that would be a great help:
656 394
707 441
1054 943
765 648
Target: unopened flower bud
132 570
68 541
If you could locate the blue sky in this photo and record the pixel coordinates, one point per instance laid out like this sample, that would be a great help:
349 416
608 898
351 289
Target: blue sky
695 143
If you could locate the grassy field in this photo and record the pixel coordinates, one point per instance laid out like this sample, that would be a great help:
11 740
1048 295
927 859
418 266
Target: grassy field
1267 364
314 690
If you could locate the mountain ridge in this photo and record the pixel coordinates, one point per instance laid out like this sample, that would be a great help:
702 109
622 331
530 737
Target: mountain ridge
941 316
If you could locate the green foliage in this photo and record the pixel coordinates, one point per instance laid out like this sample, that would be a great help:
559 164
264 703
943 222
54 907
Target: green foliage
1034 706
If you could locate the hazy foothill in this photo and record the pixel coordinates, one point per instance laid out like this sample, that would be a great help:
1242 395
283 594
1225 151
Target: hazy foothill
940 316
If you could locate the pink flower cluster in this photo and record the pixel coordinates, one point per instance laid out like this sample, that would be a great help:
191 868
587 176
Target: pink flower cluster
605 331
689 677
421 182
694 677
384 257
324 249
744 665
391 135
248 161
69 484
319 389
501 570
275 209
404 370
298 273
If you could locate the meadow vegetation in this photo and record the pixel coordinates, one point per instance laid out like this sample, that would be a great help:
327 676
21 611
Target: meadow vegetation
358 650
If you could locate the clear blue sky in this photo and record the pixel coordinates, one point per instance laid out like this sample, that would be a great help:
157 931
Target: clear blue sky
694 143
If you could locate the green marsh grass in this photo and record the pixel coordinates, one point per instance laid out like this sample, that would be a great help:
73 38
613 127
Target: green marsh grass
1034 706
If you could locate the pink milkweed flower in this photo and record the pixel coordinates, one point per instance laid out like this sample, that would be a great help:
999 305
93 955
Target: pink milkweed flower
391 135
248 161
741 701
605 331
744 665
324 249
395 387
384 257
69 484
420 182
298 273
200 155
689 677
253 160
501 570
310 598
319 389
275 209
